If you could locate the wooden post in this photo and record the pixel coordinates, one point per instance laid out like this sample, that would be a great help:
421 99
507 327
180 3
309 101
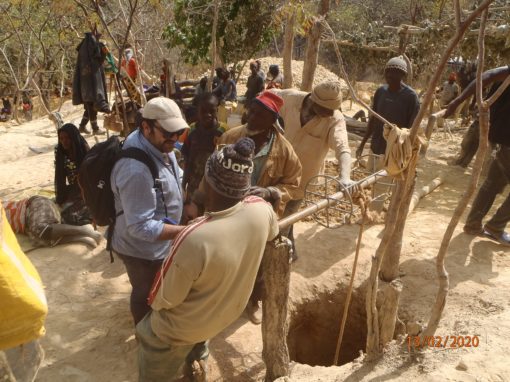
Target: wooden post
425 190
388 297
214 52
390 263
276 270
312 48
167 73
118 91
288 48
483 107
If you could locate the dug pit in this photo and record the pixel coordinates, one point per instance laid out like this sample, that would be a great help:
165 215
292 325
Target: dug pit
314 328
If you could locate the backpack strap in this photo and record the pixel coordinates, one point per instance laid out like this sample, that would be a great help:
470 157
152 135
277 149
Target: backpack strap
141 156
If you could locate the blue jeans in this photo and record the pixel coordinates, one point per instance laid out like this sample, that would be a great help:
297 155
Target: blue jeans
159 361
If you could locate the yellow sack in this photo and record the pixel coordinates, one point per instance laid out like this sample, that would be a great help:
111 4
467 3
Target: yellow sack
399 149
222 113
23 304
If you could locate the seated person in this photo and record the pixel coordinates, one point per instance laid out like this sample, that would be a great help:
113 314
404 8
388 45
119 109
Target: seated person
69 154
201 142
6 106
200 89
274 78
226 89
40 219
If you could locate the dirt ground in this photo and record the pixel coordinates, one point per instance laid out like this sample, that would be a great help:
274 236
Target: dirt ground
90 334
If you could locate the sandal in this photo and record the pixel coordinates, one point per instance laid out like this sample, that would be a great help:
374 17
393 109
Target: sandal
502 238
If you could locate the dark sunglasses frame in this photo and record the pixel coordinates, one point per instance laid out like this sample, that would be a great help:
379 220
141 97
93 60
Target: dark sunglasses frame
167 134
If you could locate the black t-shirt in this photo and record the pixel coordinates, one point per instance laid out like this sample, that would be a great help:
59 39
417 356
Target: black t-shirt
399 108
196 149
499 130
254 86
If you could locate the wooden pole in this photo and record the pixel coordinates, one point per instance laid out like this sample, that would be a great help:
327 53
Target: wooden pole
118 91
386 257
425 190
313 42
213 44
276 269
288 48
483 107
351 284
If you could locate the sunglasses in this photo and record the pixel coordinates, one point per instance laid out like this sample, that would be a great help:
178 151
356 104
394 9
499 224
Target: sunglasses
167 134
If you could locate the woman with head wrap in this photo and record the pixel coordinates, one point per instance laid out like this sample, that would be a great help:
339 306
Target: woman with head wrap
69 154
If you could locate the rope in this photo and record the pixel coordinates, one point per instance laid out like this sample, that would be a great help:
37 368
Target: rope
364 208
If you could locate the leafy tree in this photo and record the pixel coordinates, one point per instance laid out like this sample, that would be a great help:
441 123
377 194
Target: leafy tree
37 44
244 27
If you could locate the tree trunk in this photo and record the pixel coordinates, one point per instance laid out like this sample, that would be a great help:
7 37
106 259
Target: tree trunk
288 48
483 107
374 345
394 218
389 266
15 106
312 48
388 297
213 44
43 93
276 270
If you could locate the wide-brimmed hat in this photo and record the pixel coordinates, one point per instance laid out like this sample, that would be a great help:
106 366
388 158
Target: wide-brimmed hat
328 95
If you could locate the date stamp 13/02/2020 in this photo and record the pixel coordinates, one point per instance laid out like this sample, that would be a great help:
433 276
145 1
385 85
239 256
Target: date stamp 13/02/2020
444 342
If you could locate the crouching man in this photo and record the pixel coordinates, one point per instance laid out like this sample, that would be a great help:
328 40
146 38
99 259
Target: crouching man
205 282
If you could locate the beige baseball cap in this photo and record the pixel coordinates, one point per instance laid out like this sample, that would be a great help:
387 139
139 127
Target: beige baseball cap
166 112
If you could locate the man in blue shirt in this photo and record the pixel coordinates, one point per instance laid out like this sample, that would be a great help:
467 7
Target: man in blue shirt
395 101
148 216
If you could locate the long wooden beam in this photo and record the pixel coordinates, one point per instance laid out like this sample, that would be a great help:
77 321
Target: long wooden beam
391 49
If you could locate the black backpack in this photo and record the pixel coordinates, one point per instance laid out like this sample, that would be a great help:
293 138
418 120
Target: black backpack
94 180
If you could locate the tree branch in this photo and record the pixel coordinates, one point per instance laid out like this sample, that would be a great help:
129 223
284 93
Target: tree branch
456 5
444 283
498 92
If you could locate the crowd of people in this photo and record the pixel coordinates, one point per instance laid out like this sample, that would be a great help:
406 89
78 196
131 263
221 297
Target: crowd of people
224 85
25 103
192 239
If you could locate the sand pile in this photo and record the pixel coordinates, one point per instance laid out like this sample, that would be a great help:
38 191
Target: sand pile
321 74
